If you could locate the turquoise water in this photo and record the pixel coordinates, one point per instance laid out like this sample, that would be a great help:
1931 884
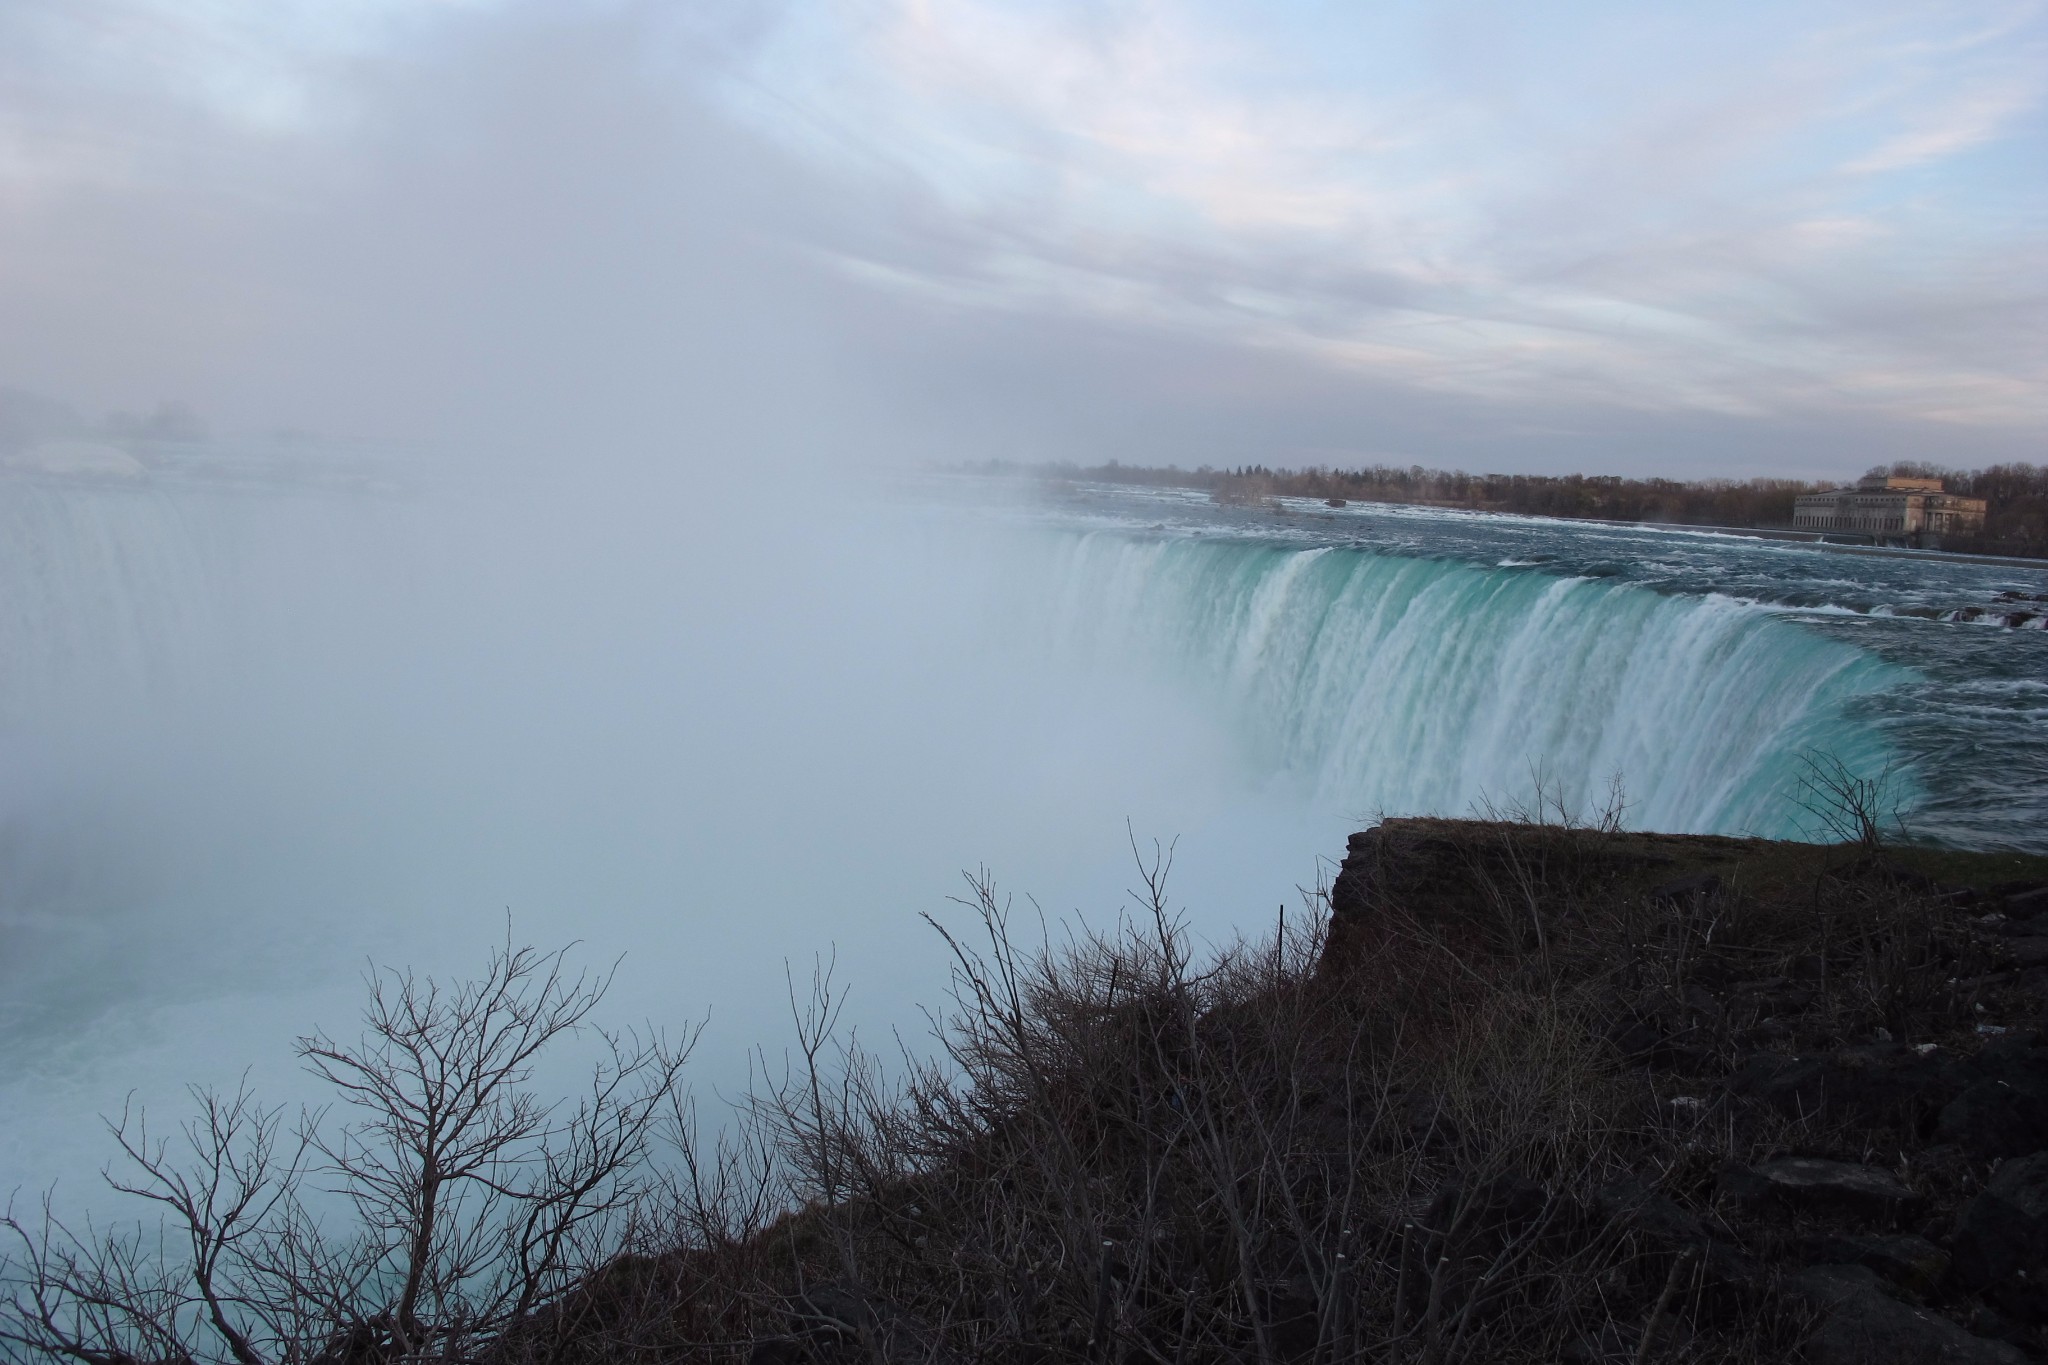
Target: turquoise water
1408 685
1412 660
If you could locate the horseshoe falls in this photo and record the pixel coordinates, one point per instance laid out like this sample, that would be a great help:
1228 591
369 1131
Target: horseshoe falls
254 733
1400 685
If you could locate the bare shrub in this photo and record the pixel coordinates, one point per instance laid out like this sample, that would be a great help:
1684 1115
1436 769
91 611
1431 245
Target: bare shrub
1121 1152
1846 806
1419 1140
475 1203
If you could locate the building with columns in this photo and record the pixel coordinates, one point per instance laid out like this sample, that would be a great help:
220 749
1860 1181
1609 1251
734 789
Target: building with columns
1890 507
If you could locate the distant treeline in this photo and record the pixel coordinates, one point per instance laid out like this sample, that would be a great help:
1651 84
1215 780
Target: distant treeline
2017 523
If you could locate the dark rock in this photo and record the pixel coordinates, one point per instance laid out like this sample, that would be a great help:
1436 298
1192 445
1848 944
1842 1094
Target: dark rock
1293 1319
1838 1186
1831 1286
1869 1329
1665 1227
1875 1082
777 1351
1446 873
2019 1049
1700 886
1987 1321
1913 1263
1891 1082
1351 892
2028 952
1743 1192
2004 1110
2017 928
1615 1344
2020 1300
1864 1327
1636 1207
1994 1118
2003 1232
1792 1085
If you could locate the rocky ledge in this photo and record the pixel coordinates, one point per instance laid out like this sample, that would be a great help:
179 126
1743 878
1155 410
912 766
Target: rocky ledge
1838 1053
1526 1093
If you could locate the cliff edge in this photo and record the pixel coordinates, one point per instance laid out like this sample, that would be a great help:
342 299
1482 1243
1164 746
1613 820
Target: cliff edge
1529 1093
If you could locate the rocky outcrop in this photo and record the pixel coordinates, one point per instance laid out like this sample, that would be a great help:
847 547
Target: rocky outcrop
1547 1094
1901 1077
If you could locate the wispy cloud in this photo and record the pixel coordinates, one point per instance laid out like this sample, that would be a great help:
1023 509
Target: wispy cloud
1968 120
1638 213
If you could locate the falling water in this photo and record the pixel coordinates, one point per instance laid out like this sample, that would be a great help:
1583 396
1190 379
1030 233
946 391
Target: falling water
1409 685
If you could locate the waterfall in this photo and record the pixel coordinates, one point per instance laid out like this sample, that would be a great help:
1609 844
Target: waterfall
1411 685
1381 683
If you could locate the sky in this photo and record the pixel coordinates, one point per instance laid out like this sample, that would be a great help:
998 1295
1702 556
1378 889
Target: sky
1738 239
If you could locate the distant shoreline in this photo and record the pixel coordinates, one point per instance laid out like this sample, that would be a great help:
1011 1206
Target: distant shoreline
1819 541
1762 509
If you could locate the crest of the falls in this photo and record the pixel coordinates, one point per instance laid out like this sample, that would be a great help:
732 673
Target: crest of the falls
1416 685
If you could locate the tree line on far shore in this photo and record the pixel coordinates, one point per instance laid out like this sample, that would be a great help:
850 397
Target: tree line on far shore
2016 523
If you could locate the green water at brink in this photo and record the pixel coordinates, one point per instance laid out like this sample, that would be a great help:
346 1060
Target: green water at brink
1407 685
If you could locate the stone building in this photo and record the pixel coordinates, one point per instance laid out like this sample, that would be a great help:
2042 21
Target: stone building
1890 508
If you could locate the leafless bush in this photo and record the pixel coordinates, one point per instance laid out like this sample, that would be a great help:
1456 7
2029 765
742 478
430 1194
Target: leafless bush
475 1203
1121 1152
1846 806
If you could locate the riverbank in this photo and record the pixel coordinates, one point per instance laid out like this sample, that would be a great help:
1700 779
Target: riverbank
2014 530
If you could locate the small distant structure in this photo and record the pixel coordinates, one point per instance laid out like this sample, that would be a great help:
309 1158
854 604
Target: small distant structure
1891 509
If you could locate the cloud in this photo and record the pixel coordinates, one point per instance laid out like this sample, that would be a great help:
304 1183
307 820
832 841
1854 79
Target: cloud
1971 119
832 227
1653 221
